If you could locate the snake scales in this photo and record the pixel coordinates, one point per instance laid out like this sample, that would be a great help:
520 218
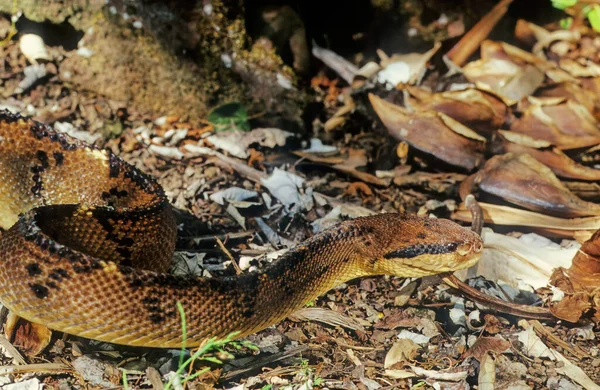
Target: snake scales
88 239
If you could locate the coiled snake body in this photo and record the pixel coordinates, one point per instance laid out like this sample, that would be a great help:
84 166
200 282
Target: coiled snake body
89 238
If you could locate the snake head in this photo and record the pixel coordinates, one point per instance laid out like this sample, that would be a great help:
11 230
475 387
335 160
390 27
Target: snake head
411 246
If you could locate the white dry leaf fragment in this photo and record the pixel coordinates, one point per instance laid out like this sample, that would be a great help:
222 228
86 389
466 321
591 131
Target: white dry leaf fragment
330 219
33 48
161 121
237 142
230 142
274 238
585 332
271 255
232 194
29 384
440 375
32 74
166 151
92 370
370 383
268 201
308 385
175 380
556 382
195 151
415 337
533 346
284 186
347 209
402 350
243 204
527 260
8 350
399 374
174 136
337 214
188 263
344 68
557 294
15 106
84 52
317 146
405 68
574 373
233 211
6 380
244 262
394 74
70 130
486 379
284 82
457 316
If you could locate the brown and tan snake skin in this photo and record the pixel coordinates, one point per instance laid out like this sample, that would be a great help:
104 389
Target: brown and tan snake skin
88 240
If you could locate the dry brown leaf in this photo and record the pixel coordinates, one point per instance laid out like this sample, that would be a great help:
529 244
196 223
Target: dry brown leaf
572 307
396 320
577 228
522 180
584 93
512 79
403 350
28 337
429 133
476 109
358 188
485 344
566 124
581 282
561 164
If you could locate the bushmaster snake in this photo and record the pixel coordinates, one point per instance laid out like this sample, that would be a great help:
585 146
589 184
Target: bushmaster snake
88 240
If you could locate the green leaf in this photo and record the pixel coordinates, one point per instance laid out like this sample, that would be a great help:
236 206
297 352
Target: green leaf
566 23
562 4
125 382
594 17
212 360
229 116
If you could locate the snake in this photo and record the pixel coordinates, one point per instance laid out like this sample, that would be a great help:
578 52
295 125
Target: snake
87 242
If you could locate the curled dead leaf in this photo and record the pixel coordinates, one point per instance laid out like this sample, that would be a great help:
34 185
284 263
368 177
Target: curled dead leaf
484 345
510 75
522 180
358 188
476 109
585 93
561 164
432 133
564 123
28 337
403 350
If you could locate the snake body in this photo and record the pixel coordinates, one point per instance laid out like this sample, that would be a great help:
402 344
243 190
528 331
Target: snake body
88 240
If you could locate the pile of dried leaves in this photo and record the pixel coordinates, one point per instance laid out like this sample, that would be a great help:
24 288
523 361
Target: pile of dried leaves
516 128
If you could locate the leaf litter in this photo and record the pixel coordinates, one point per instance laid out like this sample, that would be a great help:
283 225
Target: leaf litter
536 110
